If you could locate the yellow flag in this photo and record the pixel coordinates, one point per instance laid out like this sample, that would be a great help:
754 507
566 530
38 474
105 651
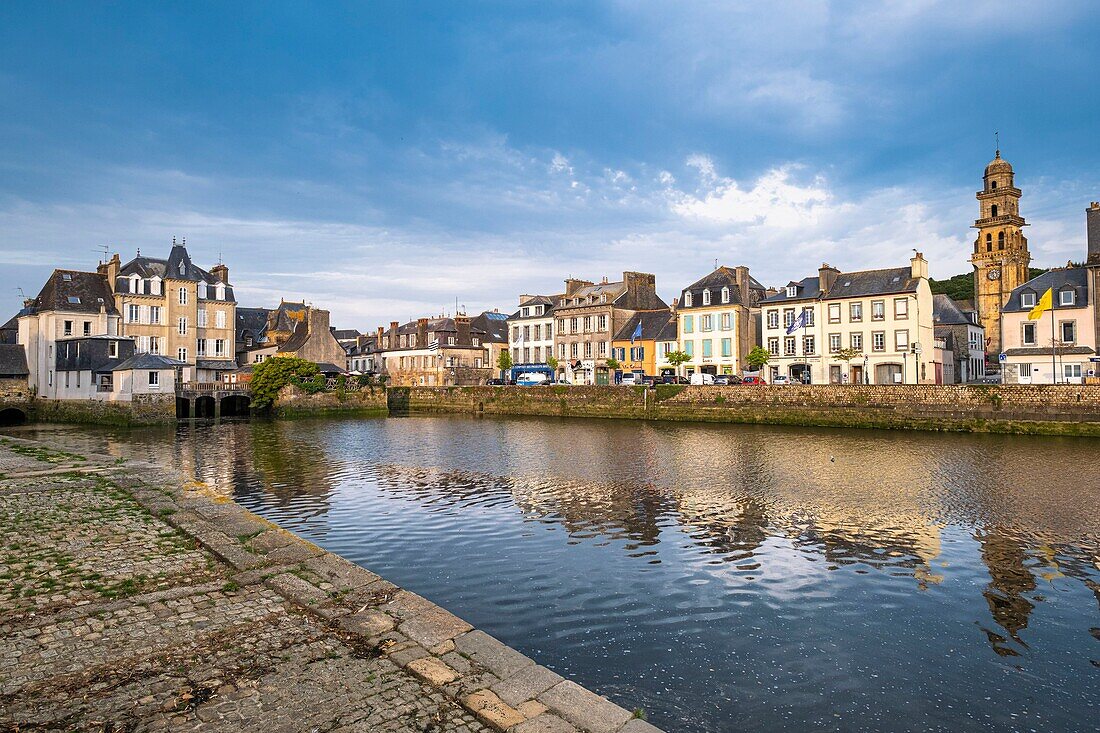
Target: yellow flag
1045 303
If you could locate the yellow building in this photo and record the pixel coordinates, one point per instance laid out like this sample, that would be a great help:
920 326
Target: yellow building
715 320
635 345
174 308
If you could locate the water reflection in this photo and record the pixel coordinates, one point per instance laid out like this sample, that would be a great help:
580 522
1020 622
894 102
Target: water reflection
719 576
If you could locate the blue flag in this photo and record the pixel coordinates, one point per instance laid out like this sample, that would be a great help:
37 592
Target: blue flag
798 322
637 332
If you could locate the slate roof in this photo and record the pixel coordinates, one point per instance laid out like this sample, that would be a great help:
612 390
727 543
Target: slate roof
808 289
671 330
283 321
9 332
1075 278
215 364
328 368
148 361
13 361
178 266
859 284
946 312
74 291
493 325
1045 350
714 282
251 320
653 323
544 300
345 334
297 339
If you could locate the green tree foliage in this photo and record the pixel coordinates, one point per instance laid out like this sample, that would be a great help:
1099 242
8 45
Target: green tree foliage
613 364
504 361
270 376
757 358
552 362
676 358
847 355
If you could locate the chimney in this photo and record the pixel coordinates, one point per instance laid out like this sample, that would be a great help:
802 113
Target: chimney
641 289
743 285
826 276
918 266
109 270
572 285
1092 225
29 302
220 273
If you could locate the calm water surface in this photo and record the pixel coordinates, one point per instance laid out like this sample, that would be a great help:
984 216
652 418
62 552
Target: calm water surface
721 577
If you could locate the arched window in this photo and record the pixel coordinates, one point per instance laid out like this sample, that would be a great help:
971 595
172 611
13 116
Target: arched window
988 242
1000 240
994 209
993 185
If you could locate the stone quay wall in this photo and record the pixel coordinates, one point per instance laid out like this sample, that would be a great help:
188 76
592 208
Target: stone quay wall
152 409
294 402
1039 409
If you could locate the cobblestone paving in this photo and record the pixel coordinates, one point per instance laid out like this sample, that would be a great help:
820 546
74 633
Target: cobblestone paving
131 600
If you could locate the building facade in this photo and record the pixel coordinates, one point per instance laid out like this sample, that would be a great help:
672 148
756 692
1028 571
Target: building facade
531 330
1059 346
715 320
434 352
866 327
963 335
1000 256
587 317
172 307
493 326
637 343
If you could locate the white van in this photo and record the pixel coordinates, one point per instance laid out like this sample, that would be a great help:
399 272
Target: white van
701 378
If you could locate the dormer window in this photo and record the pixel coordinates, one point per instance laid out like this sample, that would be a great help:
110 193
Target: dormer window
706 297
1027 300
687 299
1066 297
219 291
135 284
792 291
67 277
201 289
154 286
725 295
183 268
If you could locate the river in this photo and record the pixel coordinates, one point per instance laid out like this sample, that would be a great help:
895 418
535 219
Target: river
721 577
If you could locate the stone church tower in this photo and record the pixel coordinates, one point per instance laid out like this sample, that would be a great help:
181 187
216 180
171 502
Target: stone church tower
1000 256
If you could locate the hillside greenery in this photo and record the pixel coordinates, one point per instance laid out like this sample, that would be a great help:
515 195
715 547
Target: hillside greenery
961 287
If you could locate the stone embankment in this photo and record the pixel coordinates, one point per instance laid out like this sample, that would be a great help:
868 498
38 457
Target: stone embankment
1030 409
134 601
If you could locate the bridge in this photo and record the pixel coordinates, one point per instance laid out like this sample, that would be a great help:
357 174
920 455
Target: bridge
211 399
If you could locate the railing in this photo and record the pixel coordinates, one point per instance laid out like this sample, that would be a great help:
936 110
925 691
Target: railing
210 387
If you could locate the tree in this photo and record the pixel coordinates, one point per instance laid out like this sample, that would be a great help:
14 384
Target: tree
846 355
552 362
613 364
757 358
271 375
504 361
676 358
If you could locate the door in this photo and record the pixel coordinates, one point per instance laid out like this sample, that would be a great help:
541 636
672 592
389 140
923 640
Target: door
602 376
857 375
834 374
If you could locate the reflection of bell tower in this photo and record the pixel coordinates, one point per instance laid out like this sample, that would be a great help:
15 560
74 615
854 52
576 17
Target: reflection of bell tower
1000 256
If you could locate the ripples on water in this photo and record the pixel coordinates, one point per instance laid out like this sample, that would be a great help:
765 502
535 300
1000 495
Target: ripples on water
721 577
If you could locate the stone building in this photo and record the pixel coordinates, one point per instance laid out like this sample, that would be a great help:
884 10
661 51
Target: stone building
587 317
174 308
1001 256
261 330
430 352
311 339
716 323
531 330
493 326
963 335
885 316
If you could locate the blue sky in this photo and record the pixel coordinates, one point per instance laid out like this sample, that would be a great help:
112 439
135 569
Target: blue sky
384 159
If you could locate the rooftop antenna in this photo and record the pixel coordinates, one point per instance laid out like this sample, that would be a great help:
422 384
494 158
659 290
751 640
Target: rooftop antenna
22 294
105 248
997 138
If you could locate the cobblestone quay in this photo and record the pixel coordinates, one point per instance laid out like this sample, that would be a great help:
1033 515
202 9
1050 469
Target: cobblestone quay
132 601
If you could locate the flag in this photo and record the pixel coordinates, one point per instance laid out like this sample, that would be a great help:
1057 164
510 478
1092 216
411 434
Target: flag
433 345
1045 303
637 332
798 322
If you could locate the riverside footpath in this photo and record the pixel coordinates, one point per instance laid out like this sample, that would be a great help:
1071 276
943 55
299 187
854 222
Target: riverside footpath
132 600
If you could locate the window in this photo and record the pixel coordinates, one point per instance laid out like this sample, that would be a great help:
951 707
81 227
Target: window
773 319
834 312
988 242
706 323
87 328
1027 300
725 295
689 348
727 321
181 354
219 319
792 291
901 308
587 349
573 349
1069 371
1028 335
878 341
67 277
788 317
834 342
112 350
706 297
450 340
689 324
687 298
219 347
789 346
475 341
1069 331
809 346
201 319
154 380
182 325
878 310
1066 297
132 314
183 293
573 325
74 300
603 348
809 316
154 286
1000 240
901 340
587 324
708 349
154 314
855 312
994 210
561 351
68 328
561 325
200 345
601 323
773 346
727 347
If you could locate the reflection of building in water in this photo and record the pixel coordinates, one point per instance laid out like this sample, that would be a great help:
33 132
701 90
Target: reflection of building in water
1010 578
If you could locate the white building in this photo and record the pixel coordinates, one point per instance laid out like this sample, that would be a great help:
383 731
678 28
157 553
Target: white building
531 330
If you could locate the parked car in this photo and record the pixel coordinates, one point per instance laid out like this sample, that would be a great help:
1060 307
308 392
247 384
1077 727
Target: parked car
670 379
699 378
722 379
496 383
631 379
753 380
782 379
